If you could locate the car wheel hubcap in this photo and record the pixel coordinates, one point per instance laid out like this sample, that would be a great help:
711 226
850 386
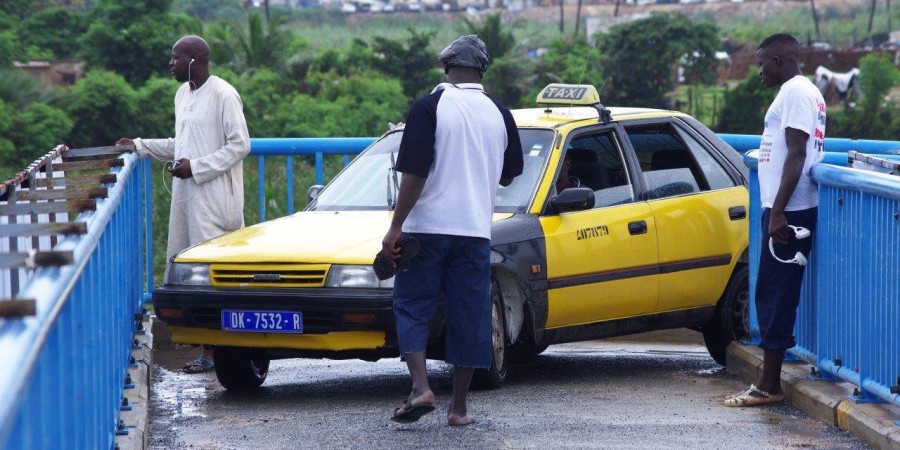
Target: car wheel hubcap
497 335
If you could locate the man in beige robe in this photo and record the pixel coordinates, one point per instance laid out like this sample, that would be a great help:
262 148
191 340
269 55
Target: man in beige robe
211 141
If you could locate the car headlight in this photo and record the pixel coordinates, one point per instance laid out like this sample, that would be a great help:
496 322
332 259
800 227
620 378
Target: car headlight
188 274
355 277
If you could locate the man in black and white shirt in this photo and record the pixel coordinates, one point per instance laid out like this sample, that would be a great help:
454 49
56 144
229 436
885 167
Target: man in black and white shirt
458 145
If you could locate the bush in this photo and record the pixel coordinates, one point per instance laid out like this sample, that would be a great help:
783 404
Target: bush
745 107
105 109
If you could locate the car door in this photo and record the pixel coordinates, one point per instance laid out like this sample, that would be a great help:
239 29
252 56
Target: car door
601 262
699 210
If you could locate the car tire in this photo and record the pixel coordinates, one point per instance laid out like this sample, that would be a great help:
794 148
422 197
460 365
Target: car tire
730 321
240 368
495 376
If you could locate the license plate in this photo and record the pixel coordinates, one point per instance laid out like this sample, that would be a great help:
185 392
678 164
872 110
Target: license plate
262 321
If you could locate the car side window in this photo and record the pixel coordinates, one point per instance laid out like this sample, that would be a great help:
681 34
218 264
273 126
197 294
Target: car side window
715 175
595 161
668 165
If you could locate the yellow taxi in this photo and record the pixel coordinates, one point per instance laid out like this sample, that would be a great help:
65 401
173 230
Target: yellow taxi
624 220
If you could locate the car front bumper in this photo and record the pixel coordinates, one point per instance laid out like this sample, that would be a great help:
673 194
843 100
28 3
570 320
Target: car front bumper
334 319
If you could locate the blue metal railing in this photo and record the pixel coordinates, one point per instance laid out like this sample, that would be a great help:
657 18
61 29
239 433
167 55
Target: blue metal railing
849 312
63 371
69 361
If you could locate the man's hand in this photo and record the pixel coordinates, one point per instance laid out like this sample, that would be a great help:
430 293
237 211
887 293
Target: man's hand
779 230
182 169
124 141
389 248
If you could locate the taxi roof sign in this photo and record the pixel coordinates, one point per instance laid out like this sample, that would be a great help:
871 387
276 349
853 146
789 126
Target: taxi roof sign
569 94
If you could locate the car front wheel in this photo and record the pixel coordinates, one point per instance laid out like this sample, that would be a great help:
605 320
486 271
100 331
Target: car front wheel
495 376
730 319
239 368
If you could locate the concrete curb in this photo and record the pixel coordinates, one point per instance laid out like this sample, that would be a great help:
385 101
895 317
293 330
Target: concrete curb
873 423
137 420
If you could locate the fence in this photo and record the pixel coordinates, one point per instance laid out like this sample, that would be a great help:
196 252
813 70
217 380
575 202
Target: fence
65 347
849 310
66 344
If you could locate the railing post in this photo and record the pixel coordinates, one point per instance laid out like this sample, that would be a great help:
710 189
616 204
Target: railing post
148 225
320 177
261 174
290 184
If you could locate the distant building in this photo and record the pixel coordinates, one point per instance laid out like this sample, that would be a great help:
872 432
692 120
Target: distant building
59 73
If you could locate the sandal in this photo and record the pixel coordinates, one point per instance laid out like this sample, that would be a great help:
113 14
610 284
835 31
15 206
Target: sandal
199 365
413 410
747 398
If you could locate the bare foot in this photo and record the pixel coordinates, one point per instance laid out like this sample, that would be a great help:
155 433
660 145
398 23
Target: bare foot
456 420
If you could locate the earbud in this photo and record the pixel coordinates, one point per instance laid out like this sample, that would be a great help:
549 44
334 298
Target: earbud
192 61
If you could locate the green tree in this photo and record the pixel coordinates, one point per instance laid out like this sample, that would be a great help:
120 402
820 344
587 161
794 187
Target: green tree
505 81
9 46
19 89
498 39
210 10
875 117
134 38
745 107
877 76
359 105
641 57
104 107
252 45
37 130
7 148
408 60
54 29
261 94
567 60
157 107
20 9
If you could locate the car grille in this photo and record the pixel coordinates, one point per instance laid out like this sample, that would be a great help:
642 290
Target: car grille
268 275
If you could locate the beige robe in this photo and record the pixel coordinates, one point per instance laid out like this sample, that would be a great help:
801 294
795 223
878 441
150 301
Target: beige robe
211 132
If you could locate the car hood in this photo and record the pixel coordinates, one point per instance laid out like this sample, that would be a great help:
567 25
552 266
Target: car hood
336 237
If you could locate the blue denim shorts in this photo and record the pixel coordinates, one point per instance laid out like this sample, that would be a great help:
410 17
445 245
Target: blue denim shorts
778 284
460 267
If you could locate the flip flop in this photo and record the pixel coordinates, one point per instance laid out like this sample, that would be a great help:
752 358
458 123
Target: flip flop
409 248
199 365
747 398
407 413
413 409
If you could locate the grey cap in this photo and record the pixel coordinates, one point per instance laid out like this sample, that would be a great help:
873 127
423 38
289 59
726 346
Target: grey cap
467 51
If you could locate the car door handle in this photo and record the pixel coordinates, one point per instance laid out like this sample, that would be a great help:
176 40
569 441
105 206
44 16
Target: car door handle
737 212
638 227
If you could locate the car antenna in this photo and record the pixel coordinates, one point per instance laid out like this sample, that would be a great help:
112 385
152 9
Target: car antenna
583 69
604 114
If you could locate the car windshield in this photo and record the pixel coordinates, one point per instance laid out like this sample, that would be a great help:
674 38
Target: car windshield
368 183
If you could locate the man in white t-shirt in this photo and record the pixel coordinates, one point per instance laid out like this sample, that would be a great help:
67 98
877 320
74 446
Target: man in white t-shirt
458 145
792 142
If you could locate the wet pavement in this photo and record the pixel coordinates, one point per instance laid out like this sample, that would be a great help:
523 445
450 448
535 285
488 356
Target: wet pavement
658 390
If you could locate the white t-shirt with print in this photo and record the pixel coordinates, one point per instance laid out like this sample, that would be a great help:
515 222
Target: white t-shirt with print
798 105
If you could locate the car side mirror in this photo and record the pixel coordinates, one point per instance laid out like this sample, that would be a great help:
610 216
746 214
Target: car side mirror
573 199
313 192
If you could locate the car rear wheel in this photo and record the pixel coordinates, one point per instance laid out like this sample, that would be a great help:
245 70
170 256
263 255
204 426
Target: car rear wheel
730 321
495 376
240 368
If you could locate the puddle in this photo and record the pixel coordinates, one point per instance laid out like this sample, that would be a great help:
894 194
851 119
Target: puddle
180 395
714 371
